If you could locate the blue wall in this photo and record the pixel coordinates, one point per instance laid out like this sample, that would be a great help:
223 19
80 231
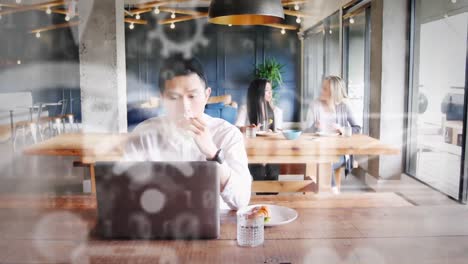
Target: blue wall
229 59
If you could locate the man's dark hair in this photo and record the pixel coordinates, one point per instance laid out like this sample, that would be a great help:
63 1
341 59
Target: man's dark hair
177 65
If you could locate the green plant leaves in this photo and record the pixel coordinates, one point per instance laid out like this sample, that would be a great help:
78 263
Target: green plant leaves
271 70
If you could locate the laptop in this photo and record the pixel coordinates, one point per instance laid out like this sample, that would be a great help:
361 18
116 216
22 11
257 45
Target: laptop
157 200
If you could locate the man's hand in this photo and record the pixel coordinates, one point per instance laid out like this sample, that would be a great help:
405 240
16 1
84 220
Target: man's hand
202 136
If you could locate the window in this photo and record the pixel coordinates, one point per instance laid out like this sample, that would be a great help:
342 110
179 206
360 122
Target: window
437 93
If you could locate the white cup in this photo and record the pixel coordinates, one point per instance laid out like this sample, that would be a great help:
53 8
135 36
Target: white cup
347 131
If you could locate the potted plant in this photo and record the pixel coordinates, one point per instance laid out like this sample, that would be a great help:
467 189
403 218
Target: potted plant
271 70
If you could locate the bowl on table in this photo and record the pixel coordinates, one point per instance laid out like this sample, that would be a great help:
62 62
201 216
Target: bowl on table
292 134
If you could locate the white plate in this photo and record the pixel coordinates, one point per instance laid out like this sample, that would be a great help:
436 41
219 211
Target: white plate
327 134
279 215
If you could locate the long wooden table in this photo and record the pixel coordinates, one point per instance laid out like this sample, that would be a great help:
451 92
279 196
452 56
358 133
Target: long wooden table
393 232
318 153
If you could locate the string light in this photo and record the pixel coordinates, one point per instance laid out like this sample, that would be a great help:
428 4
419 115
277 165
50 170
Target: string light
156 10
351 20
283 31
48 10
298 20
137 16
172 25
38 34
230 25
67 18
296 7
173 15
131 26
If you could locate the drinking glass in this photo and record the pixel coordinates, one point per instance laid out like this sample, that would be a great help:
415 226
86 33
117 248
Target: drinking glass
250 229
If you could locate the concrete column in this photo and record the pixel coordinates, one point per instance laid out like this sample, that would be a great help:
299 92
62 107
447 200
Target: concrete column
102 65
389 53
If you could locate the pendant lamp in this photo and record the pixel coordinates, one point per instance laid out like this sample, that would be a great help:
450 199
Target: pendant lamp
246 12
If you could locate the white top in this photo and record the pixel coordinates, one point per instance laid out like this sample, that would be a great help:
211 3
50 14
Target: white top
159 140
243 118
318 114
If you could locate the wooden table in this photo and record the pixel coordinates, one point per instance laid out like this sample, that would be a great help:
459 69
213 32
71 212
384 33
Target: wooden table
375 234
317 152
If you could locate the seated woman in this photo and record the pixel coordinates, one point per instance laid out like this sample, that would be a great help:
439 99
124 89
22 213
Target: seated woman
260 110
331 113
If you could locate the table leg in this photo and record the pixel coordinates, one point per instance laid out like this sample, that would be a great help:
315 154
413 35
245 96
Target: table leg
12 127
338 173
324 171
93 178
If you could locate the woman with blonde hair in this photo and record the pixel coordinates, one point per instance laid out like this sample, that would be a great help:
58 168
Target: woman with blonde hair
330 113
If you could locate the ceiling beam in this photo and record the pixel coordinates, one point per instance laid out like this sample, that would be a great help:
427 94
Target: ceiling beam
181 11
136 21
139 11
25 8
292 2
10 5
160 3
56 26
181 19
59 11
281 26
297 13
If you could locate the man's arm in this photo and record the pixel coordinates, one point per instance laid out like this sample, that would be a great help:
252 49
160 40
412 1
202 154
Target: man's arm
237 189
235 181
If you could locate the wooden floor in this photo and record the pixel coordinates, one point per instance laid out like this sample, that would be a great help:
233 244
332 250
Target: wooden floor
328 230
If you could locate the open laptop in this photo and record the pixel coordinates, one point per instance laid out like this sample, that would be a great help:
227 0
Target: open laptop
157 200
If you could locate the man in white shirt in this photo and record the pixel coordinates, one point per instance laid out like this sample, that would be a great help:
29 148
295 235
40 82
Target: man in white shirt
185 133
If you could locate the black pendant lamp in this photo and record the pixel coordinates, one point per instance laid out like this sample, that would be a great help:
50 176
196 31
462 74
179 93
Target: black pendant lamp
245 12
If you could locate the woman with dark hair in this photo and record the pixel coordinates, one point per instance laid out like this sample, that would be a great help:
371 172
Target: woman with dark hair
260 107
261 112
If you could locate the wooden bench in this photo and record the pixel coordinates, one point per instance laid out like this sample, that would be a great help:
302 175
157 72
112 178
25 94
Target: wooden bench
308 185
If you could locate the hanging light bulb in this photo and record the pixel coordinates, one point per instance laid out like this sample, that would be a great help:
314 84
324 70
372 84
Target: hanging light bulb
18 62
296 7
331 31
137 16
48 10
38 34
351 20
283 31
67 18
172 25
173 15
298 20
156 10
131 26
230 25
